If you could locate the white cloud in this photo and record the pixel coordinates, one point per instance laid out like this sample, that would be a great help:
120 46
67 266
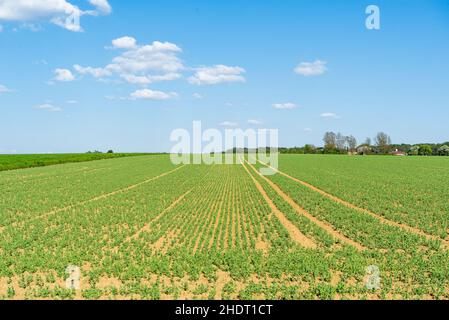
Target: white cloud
255 122
144 80
64 75
158 56
72 101
133 79
48 107
282 106
156 62
22 10
94 72
152 95
71 22
141 65
217 74
59 12
124 43
329 115
102 6
229 124
4 89
198 96
308 69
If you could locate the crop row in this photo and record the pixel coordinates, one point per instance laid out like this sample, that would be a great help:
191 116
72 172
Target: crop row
197 232
411 190
23 200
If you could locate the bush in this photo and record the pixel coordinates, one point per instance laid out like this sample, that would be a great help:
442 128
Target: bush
425 150
443 150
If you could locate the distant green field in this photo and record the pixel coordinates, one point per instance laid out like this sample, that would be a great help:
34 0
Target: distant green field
11 162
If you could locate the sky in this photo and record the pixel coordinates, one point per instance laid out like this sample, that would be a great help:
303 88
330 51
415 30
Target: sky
133 71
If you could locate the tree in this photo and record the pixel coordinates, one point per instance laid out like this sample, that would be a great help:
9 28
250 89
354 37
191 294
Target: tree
383 141
364 150
425 150
330 140
352 143
368 142
414 151
309 148
341 142
110 151
443 150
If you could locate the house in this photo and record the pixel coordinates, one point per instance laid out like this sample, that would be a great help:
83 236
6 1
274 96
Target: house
364 150
398 153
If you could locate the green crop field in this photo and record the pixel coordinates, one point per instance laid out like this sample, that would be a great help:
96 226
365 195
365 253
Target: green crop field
11 162
142 228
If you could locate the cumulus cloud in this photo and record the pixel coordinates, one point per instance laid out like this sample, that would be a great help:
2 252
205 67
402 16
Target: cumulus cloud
48 107
141 65
157 56
197 95
308 69
60 12
217 74
94 72
148 94
144 80
64 75
22 10
229 124
282 106
329 115
124 43
102 6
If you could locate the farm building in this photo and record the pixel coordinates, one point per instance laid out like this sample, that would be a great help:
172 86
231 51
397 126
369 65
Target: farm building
398 153
364 150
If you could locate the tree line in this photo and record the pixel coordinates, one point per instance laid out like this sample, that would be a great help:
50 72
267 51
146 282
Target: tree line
337 143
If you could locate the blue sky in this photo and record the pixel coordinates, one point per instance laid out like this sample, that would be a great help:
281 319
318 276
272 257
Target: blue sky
226 63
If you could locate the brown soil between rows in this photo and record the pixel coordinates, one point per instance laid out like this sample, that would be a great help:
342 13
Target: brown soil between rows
323 225
103 196
146 227
377 216
294 233
209 221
